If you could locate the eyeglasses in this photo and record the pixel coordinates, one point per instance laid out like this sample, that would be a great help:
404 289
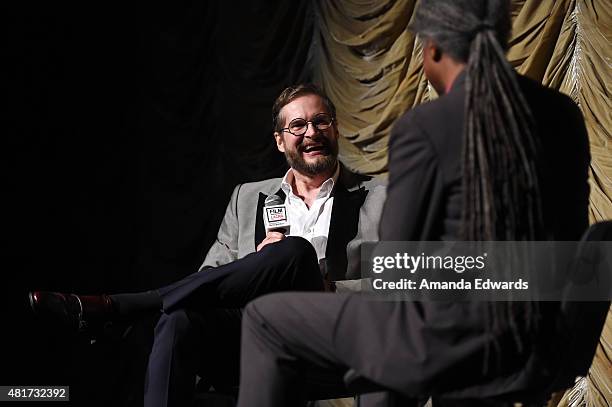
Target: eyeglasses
298 127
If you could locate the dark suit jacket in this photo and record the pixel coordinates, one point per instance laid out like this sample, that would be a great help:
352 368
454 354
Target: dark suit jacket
436 348
424 192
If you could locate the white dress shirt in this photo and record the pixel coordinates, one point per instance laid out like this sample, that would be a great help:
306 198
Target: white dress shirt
311 223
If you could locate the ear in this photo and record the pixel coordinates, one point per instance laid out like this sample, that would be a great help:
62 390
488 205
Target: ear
432 51
280 144
437 54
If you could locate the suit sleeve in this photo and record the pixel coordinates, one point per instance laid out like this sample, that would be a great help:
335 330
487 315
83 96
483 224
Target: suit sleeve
578 162
225 248
413 170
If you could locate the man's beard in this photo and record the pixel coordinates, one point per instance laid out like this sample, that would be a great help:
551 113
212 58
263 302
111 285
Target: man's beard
323 164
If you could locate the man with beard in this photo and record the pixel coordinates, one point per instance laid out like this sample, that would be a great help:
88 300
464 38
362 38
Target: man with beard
331 212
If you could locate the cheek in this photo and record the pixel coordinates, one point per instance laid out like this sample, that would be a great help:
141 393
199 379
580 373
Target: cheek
286 145
333 138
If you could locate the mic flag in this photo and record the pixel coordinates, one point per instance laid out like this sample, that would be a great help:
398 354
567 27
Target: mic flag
275 215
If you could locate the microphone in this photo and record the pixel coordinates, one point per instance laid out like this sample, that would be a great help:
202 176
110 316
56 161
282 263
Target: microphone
275 215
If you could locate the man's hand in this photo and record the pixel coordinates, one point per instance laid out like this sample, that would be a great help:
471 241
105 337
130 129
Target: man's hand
271 237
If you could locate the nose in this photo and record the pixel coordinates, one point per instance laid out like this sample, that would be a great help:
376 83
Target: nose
311 130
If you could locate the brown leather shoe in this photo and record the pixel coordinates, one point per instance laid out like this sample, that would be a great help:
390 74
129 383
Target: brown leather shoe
71 310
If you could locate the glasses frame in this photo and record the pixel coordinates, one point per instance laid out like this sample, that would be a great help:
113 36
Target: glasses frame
333 119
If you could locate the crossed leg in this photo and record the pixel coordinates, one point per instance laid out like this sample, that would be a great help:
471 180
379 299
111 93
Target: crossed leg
199 331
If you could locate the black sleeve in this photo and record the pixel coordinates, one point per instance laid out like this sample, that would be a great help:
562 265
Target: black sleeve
578 178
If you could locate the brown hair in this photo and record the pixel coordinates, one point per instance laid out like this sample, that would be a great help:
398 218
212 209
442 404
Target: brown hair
293 92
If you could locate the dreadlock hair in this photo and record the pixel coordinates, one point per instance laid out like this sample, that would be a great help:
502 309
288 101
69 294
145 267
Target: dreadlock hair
501 198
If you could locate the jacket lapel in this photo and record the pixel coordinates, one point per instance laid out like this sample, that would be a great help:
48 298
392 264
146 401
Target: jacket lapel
260 229
343 228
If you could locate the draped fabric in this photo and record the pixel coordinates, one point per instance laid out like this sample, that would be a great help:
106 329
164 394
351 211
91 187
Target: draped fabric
127 128
368 63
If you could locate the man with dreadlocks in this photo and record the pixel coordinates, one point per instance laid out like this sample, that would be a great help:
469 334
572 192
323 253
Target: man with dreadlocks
495 157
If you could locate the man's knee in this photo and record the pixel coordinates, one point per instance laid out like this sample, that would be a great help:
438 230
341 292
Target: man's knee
251 316
296 261
299 250
296 248
266 310
298 244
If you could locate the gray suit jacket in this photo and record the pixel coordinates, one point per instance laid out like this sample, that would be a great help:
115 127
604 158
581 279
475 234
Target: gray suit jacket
358 202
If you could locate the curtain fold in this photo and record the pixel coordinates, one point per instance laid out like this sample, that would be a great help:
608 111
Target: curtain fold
367 63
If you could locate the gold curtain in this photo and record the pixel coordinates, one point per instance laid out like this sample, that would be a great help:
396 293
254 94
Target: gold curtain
370 65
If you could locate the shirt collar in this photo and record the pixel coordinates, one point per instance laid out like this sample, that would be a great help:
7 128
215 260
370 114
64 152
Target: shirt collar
326 187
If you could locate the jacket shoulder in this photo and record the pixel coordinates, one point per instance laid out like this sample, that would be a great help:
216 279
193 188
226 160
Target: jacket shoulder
267 186
352 179
435 117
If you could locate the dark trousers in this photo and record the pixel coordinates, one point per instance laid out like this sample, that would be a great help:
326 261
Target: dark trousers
289 351
199 331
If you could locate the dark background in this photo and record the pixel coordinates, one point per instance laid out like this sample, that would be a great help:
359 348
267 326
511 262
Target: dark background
126 129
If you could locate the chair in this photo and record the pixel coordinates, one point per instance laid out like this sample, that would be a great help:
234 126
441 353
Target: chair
584 319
